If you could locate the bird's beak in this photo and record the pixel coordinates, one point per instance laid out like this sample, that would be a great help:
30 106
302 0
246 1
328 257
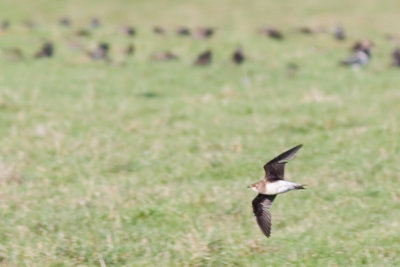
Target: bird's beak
248 186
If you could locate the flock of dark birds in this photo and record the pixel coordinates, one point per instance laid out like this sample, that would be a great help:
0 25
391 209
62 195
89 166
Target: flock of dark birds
360 56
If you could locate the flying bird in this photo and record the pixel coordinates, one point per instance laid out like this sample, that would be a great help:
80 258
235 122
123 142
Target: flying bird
272 185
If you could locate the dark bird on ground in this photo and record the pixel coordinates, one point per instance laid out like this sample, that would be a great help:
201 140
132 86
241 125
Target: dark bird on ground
65 22
158 30
339 33
204 33
129 30
101 52
396 58
83 32
238 56
164 56
272 185
129 50
95 23
205 58
362 45
272 33
361 54
306 30
183 31
47 50
5 24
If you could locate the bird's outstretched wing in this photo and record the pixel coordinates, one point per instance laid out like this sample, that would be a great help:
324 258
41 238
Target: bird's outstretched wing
275 168
261 205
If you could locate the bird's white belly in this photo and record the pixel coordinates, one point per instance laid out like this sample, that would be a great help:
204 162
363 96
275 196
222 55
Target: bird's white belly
279 187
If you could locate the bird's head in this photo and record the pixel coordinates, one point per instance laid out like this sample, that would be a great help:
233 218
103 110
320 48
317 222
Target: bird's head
257 187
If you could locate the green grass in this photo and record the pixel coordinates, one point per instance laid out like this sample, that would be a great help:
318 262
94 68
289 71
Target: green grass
147 164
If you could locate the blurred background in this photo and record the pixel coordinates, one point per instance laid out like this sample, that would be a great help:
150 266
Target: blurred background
129 131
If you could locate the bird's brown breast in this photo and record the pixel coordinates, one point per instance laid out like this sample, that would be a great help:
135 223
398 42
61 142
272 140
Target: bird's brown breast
261 186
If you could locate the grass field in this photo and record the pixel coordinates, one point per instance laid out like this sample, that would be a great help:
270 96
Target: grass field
147 164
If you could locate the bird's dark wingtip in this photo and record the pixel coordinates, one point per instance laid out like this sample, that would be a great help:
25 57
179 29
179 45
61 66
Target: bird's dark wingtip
294 149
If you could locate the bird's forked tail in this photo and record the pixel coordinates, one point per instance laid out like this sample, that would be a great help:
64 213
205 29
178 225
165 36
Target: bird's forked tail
300 186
